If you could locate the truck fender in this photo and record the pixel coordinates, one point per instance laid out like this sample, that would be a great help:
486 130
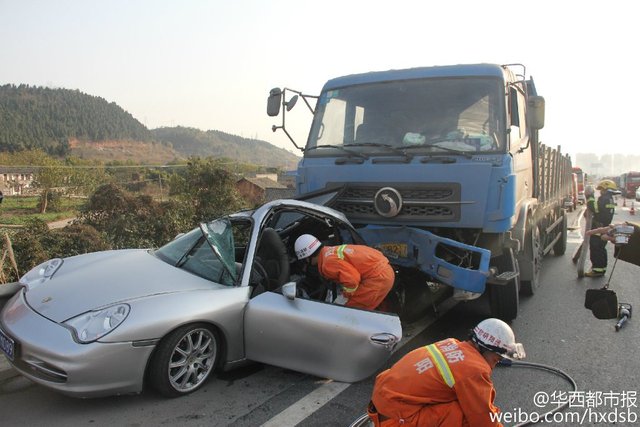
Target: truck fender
518 231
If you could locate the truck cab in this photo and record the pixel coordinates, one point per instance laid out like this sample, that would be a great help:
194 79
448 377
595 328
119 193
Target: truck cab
445 154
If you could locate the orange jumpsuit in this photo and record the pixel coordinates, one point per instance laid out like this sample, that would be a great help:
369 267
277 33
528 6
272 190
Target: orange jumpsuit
445 384
363 273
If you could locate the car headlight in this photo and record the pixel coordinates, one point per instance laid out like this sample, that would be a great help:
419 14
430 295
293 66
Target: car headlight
41 273
93 325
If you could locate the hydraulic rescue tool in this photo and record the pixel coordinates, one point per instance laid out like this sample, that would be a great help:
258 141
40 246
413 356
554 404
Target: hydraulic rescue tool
603 302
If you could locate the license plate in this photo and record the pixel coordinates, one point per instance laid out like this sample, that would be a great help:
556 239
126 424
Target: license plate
7 345
396 250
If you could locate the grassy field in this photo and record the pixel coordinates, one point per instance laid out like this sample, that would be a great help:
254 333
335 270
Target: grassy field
17 210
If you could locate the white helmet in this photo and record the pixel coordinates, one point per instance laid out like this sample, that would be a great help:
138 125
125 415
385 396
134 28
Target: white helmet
495 335
306 245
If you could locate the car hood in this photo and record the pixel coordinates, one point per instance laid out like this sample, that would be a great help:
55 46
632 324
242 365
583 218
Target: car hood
87 282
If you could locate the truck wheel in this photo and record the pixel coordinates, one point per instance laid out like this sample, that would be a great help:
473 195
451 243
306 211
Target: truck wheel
402 301
561 245
533 259
504 300
411 297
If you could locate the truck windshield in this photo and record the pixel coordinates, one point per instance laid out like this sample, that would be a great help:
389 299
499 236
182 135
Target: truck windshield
430 115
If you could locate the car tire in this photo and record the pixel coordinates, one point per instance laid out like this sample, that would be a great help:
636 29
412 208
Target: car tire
184 360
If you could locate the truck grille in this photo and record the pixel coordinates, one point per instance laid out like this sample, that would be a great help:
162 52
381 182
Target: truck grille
420 202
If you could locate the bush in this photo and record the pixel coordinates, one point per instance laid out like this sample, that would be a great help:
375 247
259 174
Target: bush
35 243
54 201
134 221
75 239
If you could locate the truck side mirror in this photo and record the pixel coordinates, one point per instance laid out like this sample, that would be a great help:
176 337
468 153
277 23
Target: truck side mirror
274 101
535 111
290 103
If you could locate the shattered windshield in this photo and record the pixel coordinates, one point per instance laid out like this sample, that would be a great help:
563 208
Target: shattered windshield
207 251
430 115
219 235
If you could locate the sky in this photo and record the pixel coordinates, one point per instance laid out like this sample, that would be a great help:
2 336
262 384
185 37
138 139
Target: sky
210 64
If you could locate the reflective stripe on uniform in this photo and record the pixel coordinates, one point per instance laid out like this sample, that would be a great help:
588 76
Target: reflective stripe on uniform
441 364
340 251
340 255
349 290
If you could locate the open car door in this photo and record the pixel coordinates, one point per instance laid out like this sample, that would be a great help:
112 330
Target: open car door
322 339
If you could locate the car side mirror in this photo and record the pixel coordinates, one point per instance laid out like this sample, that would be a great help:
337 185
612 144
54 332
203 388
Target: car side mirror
289 290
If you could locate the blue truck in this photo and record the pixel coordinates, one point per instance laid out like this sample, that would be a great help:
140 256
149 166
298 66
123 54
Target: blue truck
442 169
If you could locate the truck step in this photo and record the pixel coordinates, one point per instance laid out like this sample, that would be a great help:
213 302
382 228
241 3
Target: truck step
502 278
507 275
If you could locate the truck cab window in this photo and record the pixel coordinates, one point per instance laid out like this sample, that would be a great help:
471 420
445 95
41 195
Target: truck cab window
424 114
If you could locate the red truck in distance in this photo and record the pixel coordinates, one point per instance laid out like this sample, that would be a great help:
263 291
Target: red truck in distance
582 180
629 183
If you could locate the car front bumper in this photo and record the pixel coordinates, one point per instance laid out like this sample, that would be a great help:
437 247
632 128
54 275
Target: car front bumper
46 353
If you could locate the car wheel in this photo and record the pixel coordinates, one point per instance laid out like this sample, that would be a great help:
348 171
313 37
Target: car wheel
184 360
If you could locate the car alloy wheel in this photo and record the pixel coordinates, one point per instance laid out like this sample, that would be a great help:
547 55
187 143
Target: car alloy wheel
184 360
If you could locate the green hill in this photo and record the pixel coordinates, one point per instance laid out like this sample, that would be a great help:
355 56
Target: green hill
213 143
68 122
43 118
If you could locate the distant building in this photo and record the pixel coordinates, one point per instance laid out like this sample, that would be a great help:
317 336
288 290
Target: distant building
15 180
260 190
288 179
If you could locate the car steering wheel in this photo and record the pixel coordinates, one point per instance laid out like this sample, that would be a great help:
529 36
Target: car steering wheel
258 271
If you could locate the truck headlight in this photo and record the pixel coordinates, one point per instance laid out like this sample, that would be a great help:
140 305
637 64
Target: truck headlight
93 325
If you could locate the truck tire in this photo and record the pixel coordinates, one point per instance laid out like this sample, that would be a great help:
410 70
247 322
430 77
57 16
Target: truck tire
504 300
533 260
561 245
410 297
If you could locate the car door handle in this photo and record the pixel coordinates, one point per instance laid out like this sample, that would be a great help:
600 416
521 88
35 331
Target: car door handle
384 339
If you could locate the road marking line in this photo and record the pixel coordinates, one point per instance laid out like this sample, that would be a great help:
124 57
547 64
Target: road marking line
303 408
306 406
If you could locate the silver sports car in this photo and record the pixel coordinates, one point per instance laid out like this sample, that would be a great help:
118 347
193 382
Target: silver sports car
216 297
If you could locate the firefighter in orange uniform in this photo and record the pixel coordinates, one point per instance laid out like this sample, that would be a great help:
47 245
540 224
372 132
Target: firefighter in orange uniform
364 273
447 383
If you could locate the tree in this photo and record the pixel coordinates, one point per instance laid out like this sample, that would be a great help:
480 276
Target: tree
55 177
134 221
209 188
49 173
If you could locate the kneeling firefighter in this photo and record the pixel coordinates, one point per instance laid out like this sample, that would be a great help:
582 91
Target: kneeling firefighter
447 383
363 273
